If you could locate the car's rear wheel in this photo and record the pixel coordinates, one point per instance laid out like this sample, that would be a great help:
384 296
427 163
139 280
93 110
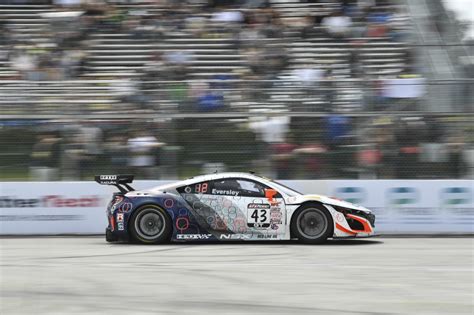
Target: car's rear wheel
312 224
150 225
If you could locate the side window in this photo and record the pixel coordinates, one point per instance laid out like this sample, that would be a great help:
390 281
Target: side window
227 187
238 187
251 188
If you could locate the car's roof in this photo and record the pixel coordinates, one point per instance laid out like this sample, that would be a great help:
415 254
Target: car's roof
225 175
213 176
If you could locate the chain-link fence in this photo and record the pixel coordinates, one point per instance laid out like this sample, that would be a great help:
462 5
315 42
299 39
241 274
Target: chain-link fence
286 145
282 90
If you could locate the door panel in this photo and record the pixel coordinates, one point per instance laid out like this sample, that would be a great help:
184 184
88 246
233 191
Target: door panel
234 208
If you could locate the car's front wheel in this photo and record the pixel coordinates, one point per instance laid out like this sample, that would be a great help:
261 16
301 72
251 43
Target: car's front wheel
150 225
312 224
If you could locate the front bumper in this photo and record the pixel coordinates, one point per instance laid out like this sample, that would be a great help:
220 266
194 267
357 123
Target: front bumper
352 223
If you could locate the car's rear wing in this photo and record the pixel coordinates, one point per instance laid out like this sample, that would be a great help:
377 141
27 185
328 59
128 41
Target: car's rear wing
119 181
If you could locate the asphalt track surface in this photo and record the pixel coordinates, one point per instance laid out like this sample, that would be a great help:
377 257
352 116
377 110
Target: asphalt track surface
379 276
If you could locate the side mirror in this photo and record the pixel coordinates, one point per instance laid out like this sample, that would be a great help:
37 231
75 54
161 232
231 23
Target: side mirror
270 194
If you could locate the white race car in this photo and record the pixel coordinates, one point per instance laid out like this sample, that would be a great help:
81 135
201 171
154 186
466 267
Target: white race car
229 206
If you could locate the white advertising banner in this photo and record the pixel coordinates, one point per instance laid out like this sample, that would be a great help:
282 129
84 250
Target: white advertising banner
400 206
412 206
50 208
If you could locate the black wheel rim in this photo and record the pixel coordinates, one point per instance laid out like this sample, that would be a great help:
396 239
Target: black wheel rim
150 224
312 223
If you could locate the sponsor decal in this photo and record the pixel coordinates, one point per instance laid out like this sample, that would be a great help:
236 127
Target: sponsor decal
235 237
193 236
354 195
456 196
258 206
120 226
258 225
119 217
108 177
51 201
258 215
225 192
267 236
275 216
403 196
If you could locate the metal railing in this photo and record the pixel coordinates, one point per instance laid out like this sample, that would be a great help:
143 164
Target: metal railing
27 99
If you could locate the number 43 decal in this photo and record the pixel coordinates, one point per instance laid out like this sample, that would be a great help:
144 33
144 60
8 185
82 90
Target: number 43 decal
259 215
258 218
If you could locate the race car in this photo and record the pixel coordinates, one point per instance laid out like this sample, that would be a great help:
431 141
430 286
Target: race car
225 207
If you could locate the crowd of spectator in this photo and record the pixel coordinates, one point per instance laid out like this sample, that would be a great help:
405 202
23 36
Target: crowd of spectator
260 35
77 151
405 148
257 29
340 147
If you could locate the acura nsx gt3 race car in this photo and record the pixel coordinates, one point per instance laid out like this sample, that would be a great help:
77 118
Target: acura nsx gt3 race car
228 206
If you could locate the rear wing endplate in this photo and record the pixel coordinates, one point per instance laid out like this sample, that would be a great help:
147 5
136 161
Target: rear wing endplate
119 181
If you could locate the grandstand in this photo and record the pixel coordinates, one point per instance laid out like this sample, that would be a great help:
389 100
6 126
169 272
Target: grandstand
223 84
112 53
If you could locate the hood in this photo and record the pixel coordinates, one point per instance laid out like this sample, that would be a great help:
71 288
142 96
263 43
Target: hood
325 200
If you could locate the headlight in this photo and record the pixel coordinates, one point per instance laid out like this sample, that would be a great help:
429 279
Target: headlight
368 216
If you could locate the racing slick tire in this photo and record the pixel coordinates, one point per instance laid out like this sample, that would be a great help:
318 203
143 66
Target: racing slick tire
312 224
150 224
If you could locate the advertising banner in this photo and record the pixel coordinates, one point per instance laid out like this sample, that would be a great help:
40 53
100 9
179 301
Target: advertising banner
49 208
412 206
400 206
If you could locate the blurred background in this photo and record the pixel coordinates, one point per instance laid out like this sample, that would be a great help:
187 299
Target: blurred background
362 89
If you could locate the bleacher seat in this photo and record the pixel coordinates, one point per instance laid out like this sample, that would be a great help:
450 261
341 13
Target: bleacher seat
119 54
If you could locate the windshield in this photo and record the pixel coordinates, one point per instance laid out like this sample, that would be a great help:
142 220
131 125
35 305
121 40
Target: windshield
285 189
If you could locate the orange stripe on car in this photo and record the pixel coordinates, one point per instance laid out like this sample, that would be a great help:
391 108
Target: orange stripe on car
112 223
365 224
343 229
